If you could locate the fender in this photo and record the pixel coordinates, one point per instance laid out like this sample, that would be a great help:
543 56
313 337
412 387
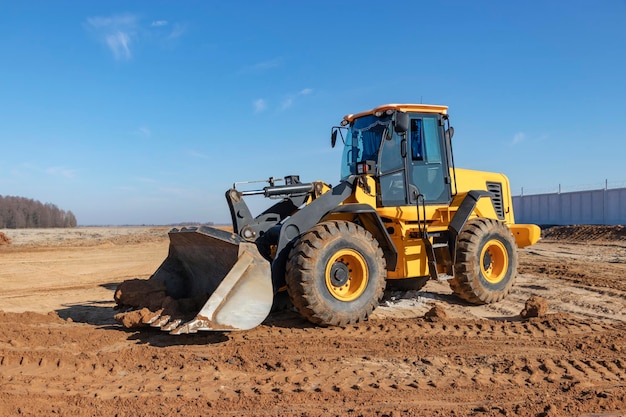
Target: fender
466 208
372 222
301 221
320 209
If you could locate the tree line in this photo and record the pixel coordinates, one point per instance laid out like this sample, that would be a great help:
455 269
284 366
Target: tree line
23 213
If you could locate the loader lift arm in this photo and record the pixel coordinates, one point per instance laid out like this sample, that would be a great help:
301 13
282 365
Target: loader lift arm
316 211
292 195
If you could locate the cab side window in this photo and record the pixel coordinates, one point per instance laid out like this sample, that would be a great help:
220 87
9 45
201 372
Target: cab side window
417 148
433 150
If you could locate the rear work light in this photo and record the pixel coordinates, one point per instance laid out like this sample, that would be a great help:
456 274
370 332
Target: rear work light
362 168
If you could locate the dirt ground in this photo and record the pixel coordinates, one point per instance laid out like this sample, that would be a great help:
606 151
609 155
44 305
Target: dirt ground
422 353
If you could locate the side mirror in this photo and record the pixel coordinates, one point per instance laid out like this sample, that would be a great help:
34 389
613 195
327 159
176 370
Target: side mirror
336 130
401 122
449 133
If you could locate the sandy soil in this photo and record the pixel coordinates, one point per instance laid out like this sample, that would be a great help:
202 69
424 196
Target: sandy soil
422 353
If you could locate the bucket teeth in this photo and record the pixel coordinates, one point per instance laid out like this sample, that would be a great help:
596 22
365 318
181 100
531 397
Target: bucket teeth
160 321
190 327
168 327
154 316
166 323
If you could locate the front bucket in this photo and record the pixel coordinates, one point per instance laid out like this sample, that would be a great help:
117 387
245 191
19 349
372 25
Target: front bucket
213 265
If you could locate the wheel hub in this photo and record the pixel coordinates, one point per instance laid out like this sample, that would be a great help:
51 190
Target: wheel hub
494 261
339 274
346 275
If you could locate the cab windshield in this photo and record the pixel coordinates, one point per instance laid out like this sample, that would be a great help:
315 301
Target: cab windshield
362 142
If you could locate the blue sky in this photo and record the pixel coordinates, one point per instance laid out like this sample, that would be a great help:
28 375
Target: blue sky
146 112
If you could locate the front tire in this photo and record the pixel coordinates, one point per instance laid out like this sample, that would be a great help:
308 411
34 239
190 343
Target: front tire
336 273
486 262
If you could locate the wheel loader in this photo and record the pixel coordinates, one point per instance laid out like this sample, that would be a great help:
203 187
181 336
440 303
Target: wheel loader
401 214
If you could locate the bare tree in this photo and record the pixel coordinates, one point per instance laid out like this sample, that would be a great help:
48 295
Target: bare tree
21 212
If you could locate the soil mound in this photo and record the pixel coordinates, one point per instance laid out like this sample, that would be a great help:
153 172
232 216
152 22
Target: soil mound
4 239
437 313
586 233
149 299
535 307
136 292
29 317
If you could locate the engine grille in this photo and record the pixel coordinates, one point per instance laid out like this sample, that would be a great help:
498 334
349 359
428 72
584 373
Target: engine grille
496 189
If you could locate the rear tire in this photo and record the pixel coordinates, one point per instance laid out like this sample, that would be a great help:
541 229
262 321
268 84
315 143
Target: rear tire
486 262
336 274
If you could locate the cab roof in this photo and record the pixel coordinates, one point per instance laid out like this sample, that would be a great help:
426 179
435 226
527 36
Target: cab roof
413 108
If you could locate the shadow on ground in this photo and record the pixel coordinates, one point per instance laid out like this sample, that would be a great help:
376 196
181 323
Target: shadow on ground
97 313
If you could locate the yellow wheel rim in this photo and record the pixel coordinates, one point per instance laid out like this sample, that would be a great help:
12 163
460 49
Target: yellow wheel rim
494 261
346 275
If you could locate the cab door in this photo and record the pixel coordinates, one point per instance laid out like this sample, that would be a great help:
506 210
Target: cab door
426 162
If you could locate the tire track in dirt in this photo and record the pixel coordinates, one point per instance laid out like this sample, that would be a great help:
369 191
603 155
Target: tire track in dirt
293 363
598 303
480 361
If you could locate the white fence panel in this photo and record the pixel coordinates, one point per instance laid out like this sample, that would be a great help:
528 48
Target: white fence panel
606 206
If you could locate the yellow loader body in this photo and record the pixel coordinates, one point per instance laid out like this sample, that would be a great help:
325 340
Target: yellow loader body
402 213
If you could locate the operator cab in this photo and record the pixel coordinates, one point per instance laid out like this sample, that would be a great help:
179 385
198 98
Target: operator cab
405 147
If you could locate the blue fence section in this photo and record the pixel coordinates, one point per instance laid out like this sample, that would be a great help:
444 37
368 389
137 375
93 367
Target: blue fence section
605 206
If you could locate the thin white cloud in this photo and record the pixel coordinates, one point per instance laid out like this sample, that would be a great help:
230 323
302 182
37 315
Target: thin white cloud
145 180
144 131
177 31
519 137
286 103
116 32
122 33
119 44
125 20
289 101
125 188
262 66
197 154
260 105
62 172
